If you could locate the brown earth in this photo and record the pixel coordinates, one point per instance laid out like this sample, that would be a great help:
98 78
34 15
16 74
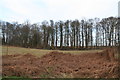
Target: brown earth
61 65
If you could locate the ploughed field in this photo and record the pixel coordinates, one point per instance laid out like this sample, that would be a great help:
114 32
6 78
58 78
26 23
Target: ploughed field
61 65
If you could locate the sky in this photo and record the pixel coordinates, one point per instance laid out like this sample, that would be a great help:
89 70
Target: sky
40 10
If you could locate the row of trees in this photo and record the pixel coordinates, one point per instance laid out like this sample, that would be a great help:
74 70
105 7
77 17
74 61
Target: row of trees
69 34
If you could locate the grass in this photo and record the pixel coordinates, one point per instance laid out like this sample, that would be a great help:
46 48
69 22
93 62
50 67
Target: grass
15 78
39 52
12 77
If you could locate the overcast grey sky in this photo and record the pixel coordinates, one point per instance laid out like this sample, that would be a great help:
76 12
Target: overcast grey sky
39 10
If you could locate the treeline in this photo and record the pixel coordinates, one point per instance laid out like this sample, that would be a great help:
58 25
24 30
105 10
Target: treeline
69 34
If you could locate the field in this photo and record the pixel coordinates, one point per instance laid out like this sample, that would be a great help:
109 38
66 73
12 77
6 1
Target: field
39 63
39 52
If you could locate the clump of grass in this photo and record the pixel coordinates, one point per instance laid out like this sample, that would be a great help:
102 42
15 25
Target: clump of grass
64 75
48 74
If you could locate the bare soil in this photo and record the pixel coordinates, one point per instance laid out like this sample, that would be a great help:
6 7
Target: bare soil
62 65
